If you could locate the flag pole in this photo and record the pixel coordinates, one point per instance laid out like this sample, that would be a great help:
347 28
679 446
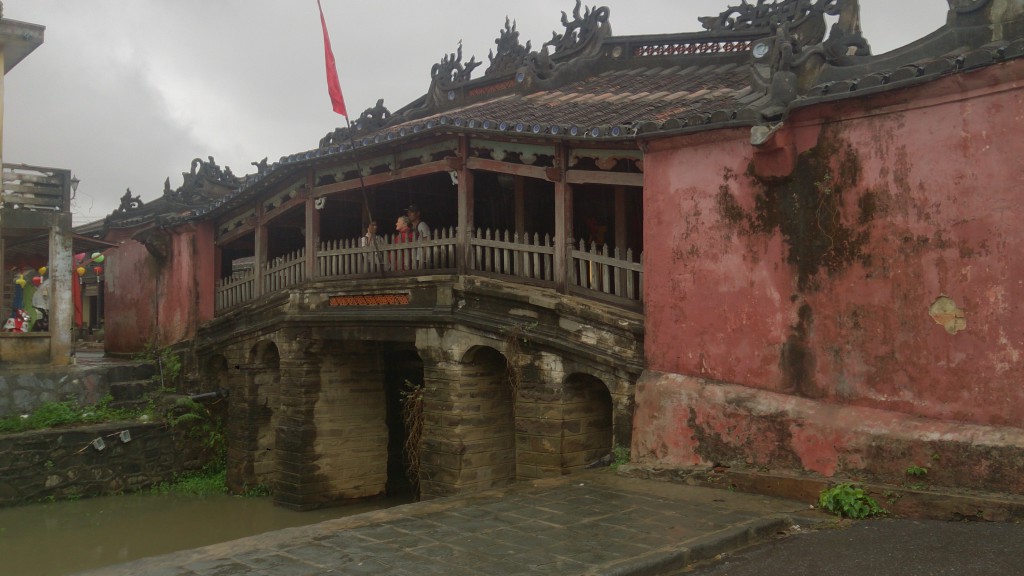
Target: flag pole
338 104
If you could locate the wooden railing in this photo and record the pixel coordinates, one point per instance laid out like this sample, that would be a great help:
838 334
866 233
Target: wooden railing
235 290
594 270
284 272
610 272
511 255
354 257
35 188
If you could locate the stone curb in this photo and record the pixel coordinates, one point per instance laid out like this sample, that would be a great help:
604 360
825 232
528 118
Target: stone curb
936 503
700 549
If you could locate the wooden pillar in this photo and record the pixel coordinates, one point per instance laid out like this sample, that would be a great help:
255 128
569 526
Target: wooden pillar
520 205
563 222
312 230
621 233
465 205
260 252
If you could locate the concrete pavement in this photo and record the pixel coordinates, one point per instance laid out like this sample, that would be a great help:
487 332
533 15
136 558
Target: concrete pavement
884 547
592 523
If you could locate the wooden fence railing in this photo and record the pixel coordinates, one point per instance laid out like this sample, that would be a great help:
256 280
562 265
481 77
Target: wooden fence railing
598 269
508 254
235 290
284 272
354 257
593 270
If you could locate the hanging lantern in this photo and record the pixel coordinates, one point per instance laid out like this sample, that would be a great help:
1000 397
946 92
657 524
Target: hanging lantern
80 270
42 270
98 270
37 280
98 257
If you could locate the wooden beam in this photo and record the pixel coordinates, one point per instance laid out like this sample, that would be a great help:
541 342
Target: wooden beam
610 178
539 172
383 178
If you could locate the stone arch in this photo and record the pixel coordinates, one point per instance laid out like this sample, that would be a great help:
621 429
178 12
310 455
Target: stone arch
587 421
264 384
469 436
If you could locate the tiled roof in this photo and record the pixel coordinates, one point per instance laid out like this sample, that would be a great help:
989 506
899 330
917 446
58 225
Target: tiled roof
618 88
624 98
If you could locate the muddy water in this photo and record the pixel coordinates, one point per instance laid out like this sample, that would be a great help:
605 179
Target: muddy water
66 537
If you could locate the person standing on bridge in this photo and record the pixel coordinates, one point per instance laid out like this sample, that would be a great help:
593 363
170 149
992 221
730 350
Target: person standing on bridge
402 259
418 225
422 231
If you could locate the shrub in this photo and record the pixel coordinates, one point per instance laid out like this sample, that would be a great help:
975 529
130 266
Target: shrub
849 501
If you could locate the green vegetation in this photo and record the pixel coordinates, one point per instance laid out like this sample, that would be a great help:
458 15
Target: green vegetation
917 471
849 501
67 413
620 455
168 364
209 481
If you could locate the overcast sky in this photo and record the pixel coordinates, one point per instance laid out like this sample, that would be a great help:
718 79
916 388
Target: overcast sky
125 93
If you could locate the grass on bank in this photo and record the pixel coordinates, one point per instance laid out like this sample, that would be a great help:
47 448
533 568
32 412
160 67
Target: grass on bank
67 413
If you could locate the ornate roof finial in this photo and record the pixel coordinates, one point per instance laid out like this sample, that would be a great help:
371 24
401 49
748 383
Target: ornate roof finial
129 202
583 30
511 54
450 71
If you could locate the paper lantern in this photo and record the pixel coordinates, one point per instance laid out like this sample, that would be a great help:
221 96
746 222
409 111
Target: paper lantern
81 271
97 257
37 280
42 270
20 281
98 270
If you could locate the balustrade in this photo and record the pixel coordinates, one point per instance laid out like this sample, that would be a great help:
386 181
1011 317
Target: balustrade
595 270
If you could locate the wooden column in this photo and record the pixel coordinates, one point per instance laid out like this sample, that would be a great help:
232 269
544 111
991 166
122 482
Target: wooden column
563 221
520 205
465 203
621 232
312 231
259 256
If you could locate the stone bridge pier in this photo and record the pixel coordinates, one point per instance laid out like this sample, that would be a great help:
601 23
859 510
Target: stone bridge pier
316 413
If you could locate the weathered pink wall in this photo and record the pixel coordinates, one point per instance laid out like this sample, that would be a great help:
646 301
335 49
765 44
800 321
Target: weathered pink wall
820 287
159 302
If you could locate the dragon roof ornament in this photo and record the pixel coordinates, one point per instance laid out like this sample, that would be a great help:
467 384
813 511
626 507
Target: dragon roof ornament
510 55
767 16
451 72
371 119
583 32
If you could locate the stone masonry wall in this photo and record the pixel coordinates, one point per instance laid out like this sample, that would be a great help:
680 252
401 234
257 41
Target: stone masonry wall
62 464
22 390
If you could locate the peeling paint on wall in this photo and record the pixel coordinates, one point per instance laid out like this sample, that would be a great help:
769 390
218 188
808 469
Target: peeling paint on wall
947 314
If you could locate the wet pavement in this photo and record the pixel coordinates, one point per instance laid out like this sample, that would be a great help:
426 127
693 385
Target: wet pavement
592 523
884 548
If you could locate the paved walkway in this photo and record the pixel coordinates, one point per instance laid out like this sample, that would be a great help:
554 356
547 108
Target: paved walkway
591 523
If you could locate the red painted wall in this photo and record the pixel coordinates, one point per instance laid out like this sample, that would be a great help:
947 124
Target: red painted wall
820 287
161 302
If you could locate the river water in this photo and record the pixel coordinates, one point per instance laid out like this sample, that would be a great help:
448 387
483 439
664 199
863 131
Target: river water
61 538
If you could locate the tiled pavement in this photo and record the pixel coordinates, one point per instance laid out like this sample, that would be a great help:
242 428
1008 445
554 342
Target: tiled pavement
592 523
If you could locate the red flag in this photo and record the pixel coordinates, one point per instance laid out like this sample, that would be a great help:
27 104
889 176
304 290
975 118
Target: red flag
333 85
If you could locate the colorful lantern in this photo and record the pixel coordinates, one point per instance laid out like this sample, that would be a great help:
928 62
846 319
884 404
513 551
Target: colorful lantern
80 270
42 270
37 280
98 270
98 257
21 281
